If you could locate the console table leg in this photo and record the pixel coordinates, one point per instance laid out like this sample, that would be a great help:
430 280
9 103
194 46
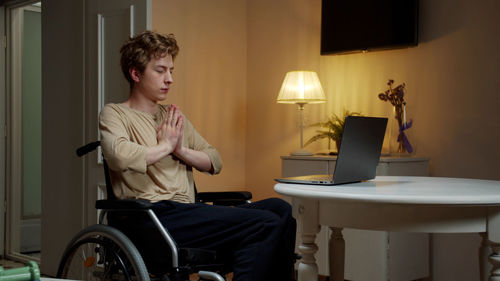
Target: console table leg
336 254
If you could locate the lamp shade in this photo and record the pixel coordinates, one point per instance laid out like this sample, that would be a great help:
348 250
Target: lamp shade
301 87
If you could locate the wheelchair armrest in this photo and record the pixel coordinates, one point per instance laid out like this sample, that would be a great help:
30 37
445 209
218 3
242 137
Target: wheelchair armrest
125 204
227 198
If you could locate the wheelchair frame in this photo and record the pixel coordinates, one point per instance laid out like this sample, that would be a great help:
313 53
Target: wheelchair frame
103 234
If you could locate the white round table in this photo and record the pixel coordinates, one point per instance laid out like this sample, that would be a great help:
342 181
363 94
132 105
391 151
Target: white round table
407 204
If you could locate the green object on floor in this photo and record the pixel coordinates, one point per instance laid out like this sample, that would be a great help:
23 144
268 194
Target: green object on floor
28 272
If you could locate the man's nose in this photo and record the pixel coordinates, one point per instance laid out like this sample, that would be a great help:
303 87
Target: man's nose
168 78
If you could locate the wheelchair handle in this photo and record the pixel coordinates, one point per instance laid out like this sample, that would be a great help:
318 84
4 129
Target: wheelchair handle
87 148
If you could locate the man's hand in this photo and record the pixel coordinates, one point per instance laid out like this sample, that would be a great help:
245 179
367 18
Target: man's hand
170 130
180 130
169 136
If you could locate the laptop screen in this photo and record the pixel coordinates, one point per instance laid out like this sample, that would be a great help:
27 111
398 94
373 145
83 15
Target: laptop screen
360 149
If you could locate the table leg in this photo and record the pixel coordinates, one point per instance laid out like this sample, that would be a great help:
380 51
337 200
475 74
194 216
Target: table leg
308 221
493 235
495 262
336 254
484 253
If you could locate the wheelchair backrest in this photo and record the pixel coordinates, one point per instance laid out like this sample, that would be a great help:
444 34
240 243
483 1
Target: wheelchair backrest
89 148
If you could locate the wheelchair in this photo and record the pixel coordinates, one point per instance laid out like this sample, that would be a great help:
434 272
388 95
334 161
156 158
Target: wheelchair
111 252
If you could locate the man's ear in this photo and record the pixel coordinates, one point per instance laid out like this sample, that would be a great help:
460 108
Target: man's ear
135 74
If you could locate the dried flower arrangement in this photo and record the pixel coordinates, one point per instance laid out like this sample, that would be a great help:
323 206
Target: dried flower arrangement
396 97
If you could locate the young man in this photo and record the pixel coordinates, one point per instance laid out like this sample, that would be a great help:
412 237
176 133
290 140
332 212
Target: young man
151 150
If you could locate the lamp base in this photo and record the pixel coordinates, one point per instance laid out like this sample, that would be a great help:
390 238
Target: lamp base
301 152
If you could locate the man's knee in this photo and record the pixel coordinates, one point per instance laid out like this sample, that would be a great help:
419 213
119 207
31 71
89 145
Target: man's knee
277 206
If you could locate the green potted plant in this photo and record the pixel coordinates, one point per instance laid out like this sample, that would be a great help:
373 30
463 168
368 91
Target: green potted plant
334 126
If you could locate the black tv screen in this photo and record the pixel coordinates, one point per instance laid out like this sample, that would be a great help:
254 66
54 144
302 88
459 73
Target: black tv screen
349 26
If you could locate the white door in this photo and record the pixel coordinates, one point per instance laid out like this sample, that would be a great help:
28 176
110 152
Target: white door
81 72
110 23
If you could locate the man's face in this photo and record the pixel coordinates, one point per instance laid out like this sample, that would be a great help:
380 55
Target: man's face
154 83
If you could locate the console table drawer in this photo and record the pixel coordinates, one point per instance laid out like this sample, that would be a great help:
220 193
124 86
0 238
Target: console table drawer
293 168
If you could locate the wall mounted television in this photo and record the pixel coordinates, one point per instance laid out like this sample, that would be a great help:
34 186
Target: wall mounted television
350 26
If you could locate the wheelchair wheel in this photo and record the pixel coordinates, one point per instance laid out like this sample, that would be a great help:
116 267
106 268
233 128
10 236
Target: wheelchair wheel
101 252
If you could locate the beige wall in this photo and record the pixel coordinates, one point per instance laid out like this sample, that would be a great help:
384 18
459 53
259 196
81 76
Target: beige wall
234 55
210 78
452 79
283 35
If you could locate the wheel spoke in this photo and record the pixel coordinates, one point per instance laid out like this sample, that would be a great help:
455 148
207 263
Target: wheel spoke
102 253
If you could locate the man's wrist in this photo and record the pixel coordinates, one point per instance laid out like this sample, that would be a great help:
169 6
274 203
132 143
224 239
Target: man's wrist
156 153
179 152
166 148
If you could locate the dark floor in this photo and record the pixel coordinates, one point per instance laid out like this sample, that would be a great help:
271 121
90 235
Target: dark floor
8 264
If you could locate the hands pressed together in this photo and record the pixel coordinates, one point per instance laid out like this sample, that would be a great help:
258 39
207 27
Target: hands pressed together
169 135
171 129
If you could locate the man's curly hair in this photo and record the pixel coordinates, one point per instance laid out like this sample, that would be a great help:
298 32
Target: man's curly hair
138 51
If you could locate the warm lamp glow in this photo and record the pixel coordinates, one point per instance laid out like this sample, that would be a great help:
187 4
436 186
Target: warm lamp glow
301 88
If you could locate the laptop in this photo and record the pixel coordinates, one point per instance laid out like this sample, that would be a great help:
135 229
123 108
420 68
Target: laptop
358 155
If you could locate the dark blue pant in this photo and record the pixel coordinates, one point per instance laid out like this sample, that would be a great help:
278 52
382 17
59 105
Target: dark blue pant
257 240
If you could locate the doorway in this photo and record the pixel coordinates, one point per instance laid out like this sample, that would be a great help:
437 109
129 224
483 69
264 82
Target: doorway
23 97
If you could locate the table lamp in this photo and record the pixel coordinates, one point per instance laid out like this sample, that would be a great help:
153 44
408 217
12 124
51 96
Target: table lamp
301 88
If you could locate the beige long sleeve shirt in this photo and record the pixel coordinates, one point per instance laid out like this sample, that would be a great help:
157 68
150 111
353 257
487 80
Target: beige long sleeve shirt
125 134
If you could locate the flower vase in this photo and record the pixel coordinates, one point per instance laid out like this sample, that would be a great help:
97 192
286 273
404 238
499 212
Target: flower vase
401 143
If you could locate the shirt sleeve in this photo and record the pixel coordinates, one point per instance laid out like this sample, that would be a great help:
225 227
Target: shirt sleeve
197 142
120 153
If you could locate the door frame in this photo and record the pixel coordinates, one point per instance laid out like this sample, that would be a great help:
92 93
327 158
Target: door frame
13 127
3 128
